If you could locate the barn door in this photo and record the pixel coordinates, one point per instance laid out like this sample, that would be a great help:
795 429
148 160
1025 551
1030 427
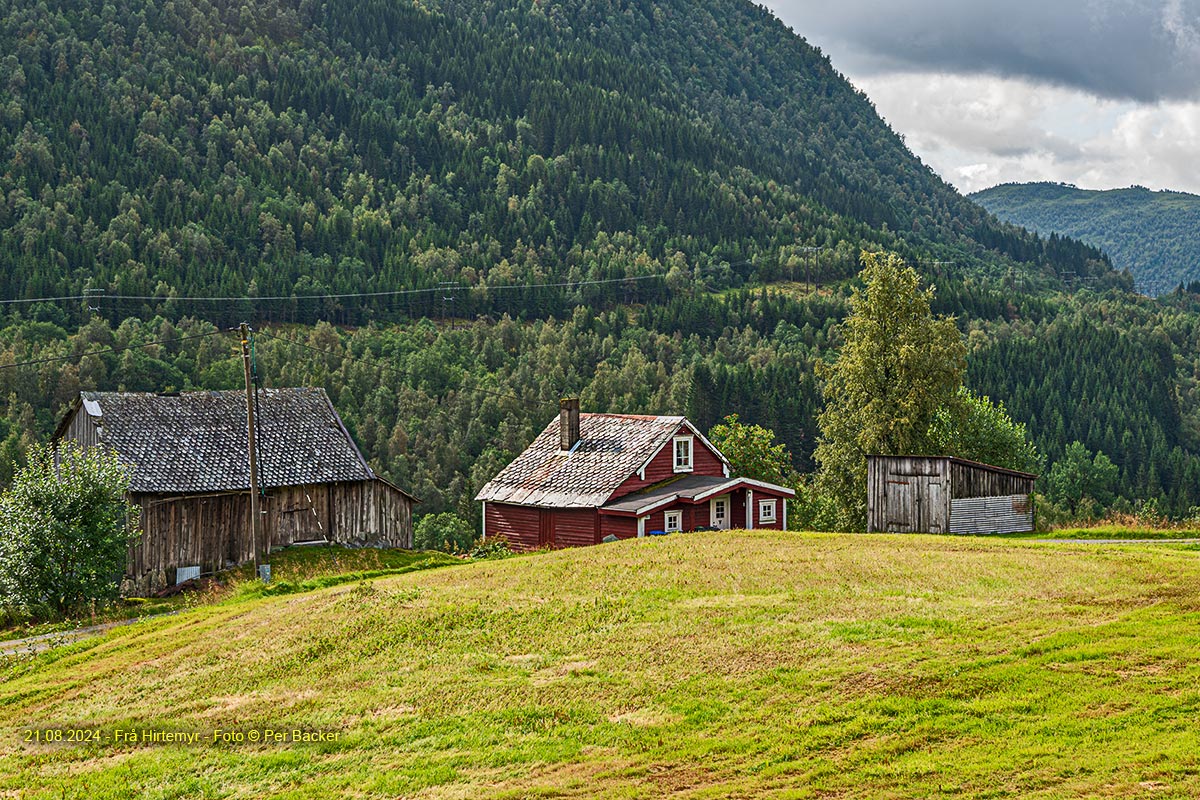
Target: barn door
546 528
900 505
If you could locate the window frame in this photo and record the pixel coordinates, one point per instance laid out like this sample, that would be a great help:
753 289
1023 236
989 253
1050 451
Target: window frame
690 464
678 515
771 503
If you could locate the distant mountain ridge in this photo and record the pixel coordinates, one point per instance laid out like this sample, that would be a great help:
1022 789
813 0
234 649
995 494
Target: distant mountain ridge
1153 234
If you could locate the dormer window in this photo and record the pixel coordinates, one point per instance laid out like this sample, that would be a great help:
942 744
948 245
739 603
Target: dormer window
683 453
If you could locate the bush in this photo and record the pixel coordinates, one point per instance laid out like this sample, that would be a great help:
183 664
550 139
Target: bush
493 548
448 532
65 530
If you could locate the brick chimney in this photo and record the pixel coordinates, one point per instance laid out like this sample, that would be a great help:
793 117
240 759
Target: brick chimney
568 423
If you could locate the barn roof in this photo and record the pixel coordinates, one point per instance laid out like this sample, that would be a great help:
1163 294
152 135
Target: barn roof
611 448
196 441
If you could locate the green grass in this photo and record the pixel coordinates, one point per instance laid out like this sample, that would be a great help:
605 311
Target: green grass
732 665
1112 532
293 569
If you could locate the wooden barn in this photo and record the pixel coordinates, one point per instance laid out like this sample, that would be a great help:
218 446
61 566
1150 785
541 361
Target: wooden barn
940 494
588 476
188 455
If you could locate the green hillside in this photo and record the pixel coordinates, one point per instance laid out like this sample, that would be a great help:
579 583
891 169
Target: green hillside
1154 235
618 200
736 665
298 148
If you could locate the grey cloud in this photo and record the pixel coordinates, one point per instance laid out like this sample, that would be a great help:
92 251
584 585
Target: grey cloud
1144 50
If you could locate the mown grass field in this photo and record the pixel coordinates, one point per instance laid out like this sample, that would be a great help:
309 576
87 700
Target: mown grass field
732 665
293 568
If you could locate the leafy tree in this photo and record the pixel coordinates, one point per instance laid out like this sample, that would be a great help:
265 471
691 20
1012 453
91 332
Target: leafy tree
898 366
445 531
751 450
973 427
1078 476
65 530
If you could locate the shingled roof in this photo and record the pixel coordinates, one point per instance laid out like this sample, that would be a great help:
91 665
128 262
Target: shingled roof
611 448
196 441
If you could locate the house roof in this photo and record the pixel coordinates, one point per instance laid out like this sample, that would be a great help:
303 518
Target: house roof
611 448
196 441
693 488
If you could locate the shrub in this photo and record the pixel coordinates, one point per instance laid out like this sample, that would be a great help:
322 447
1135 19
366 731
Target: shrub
446 531
65 530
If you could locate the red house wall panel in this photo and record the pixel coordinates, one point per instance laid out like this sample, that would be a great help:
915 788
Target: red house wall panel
621 527
574 527
777 524
518 525
662 466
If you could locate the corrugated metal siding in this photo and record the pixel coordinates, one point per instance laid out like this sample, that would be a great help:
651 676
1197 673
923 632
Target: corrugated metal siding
1011 514
517 525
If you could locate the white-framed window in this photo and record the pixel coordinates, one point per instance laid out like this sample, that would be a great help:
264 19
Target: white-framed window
766 510
683 453
673 521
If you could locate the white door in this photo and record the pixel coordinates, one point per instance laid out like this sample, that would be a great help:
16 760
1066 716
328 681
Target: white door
719 512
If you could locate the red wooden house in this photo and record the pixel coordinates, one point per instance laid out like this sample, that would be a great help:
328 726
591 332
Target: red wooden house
590 475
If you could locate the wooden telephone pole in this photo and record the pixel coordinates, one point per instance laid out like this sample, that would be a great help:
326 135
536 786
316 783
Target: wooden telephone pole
255 520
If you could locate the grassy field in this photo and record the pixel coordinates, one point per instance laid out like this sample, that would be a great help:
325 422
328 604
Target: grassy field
732 665
293 569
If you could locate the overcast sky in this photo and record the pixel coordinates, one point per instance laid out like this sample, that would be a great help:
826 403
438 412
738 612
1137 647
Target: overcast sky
1098 93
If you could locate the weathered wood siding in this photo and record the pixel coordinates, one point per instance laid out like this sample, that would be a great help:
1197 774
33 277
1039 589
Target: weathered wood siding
83 429
213 531
907 494
977 480
208 531
1011 514
370 513
912 494
662 466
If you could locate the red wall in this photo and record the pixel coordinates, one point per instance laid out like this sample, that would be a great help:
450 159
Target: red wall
574 527
662 466
520 526
621 527
759 494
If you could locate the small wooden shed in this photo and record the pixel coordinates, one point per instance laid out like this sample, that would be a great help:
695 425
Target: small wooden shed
942 494
190 476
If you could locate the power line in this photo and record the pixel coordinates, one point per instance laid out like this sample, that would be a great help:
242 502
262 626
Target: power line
376 364
109 350
338 296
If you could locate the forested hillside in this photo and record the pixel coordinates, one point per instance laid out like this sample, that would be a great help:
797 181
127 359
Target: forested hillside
451 213
1154 235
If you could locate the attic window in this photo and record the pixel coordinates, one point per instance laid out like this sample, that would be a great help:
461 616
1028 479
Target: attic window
683 453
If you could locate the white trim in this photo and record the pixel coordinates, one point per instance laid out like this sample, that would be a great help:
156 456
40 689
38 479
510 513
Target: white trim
749 509
678 521
785 527
712 511
642 527
483 536
774 506
729 484
690 466
684 421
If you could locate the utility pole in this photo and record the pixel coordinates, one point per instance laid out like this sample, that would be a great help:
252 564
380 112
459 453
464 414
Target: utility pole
255 522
